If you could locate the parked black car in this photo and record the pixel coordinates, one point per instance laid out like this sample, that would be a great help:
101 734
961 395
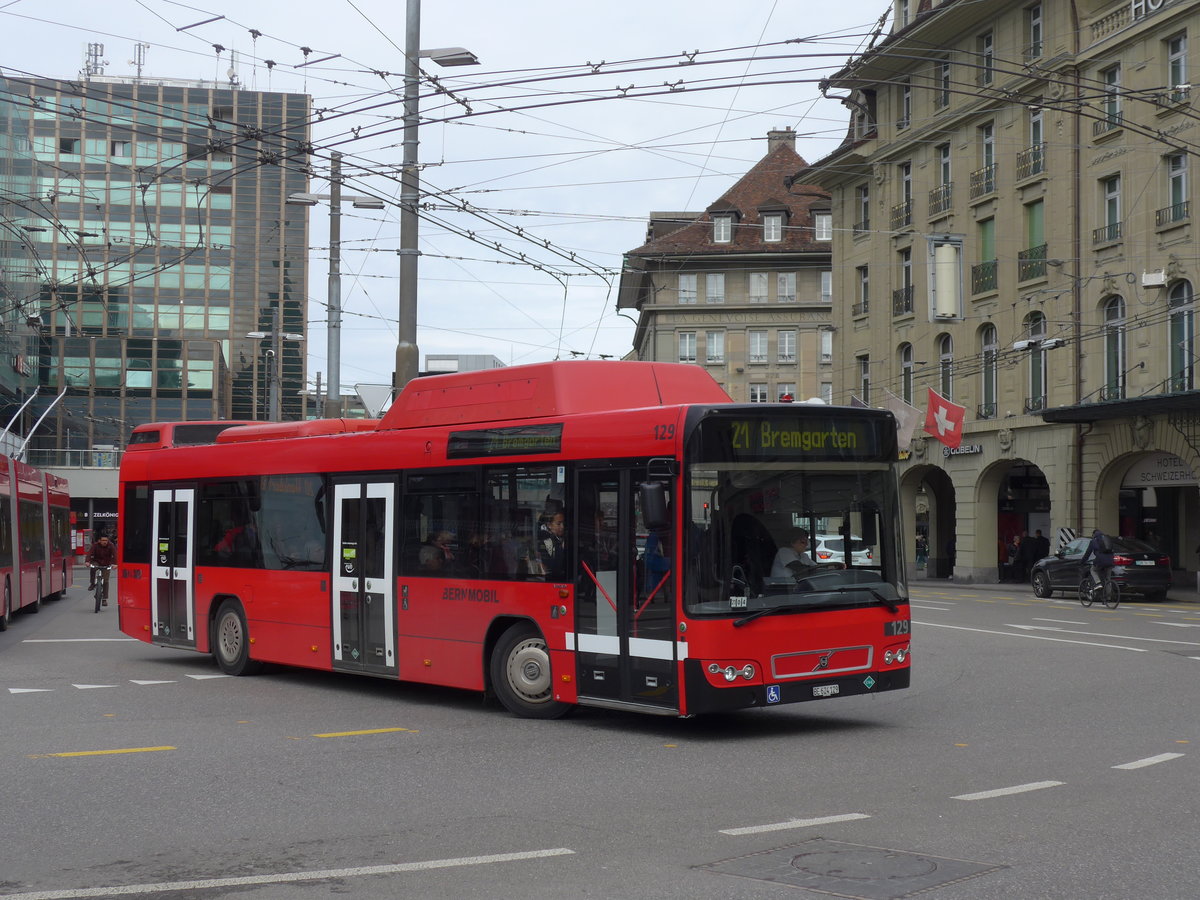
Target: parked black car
1139 569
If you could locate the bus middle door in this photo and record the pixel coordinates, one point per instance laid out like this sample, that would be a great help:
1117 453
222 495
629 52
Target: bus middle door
363 601
624 599
172 601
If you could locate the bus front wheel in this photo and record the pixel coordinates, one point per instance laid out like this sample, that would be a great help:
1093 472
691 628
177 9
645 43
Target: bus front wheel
231 641
521 674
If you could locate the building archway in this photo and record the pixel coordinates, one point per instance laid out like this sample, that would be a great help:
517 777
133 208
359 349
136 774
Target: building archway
928 489
1152 496
1013 501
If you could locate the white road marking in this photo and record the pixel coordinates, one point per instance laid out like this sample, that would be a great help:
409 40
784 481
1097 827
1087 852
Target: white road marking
1004 792
201 884
1034 637
784 826
1149 761
136 681
89 687
1178 624
206 677
1061 621
1125 637
30 690
926 606
75 640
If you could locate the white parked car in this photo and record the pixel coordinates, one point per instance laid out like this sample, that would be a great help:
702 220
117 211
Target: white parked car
831 548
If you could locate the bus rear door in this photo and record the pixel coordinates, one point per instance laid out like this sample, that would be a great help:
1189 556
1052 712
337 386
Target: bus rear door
172 603
363 602
624 598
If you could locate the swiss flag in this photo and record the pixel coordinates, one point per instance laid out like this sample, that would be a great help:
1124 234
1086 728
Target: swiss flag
944 420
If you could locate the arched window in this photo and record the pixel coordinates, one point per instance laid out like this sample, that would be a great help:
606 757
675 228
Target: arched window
1114 349
1183 336
946 365
989 352
1035 327
906 372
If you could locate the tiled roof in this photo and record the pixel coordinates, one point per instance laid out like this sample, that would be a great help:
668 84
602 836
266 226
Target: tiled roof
763 187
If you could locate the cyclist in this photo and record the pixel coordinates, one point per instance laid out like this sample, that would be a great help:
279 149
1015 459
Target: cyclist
102 555
1100 551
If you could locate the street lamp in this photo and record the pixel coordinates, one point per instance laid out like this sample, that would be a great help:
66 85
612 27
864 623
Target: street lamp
407 354
275 355
333 397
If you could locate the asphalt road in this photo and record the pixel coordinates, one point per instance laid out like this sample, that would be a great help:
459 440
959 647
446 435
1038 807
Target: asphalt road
1044 750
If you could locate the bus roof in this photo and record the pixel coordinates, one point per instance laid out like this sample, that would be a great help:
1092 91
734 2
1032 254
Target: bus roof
543 390
536 391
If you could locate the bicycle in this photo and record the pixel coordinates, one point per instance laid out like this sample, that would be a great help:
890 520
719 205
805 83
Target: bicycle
99 586
1107 590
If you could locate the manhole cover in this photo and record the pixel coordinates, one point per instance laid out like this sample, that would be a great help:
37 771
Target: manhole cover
851 870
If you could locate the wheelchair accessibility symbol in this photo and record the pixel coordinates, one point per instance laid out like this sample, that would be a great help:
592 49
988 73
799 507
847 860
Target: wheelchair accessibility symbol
772 693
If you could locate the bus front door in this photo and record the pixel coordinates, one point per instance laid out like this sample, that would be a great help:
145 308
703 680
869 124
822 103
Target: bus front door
364 583
172 603
624 597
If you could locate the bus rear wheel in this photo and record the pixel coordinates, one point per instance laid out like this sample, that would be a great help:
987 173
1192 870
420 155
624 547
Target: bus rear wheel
6 614
231 641
521 677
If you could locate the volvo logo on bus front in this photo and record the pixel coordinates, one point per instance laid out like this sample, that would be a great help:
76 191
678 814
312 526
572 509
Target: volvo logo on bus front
823 662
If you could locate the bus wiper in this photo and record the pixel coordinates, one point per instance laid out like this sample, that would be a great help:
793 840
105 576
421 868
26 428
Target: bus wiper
791 607
769 611
890 604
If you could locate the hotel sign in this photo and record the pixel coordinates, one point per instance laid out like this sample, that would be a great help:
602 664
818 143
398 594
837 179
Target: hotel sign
1139 9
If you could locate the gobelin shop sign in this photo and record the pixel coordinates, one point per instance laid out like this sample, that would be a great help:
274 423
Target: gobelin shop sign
962 450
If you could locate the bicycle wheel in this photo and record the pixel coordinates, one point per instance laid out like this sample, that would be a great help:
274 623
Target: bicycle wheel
1112 595
98 591
1085 590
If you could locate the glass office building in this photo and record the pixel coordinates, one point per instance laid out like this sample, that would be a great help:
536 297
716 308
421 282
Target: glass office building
157 232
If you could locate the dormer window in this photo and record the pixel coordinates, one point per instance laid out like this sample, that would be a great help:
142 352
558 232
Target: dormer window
722 229
773 227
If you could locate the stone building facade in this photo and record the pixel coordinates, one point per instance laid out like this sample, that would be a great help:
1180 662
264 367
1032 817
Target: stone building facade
743 288
1013 222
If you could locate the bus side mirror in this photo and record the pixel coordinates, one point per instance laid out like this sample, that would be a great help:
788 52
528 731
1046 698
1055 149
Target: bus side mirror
654 505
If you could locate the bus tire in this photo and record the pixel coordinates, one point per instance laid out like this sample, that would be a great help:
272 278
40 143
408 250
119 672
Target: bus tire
231 641
6 614
36 605
521 676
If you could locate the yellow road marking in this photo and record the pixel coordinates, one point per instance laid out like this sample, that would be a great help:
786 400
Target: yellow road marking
102 752
333 734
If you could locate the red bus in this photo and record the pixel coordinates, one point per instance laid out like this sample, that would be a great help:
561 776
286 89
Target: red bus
35 538
576 533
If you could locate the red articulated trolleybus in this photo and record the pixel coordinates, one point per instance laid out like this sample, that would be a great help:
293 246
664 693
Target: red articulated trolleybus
593 533
35 538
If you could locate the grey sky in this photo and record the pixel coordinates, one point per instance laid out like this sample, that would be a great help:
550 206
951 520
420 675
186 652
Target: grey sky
577 160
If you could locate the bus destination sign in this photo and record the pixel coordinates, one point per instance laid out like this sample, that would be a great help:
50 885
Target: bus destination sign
513 441
795 438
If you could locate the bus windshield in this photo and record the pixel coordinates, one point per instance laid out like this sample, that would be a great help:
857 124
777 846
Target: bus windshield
770 536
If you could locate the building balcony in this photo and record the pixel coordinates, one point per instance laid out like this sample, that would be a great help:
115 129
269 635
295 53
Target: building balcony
1031 161
1035 404
941 198
862 227
1031 263
983 181
860 309
1170 215
1111 122
986 410
1181 381
1112 392
983 277
1107 234
901 215
902 301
